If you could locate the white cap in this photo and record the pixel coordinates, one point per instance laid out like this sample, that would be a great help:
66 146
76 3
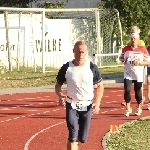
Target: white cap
134 35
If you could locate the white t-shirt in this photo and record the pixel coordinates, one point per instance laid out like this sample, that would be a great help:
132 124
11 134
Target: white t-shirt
79 81
132 72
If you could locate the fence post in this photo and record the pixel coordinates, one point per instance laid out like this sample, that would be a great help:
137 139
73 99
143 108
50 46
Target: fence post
8 40
98 33
95 60
43 41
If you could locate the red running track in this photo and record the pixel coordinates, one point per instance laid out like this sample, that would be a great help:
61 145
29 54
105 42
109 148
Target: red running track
36 122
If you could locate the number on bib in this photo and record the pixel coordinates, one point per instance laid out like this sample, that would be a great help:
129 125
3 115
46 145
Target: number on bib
78 106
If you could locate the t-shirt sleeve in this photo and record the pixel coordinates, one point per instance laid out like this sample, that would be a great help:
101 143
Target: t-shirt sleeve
60 78
96 73
123 51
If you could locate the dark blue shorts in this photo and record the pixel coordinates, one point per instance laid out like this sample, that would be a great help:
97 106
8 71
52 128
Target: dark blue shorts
78 123
148 72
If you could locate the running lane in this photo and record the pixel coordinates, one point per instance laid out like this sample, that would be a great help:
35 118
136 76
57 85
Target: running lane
34 121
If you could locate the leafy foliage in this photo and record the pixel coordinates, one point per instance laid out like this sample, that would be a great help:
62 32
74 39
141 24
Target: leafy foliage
15 3
100 5
132 13
50 5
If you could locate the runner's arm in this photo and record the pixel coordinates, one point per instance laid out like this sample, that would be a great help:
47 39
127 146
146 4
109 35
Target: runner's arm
121 57
143 63
58 89
99 93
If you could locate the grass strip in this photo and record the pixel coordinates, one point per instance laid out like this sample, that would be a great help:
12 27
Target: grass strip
132 136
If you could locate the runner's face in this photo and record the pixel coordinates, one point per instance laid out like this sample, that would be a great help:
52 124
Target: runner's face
80 52
134 41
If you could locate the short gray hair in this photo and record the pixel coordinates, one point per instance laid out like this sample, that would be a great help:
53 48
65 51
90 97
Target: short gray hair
78 43
136 29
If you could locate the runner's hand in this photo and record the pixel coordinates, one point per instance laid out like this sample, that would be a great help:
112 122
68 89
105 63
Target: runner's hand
125 61
62 100
96 108
136 62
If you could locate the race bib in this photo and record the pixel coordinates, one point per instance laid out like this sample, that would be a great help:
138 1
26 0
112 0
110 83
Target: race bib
78 106
131 71
130 61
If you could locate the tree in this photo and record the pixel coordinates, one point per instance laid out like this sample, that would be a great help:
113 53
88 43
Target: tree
16 3
132 13
51 5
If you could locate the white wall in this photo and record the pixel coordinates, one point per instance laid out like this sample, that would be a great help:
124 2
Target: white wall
57 39
62 34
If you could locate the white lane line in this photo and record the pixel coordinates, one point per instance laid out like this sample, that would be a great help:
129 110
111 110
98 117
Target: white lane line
108 102
109 110
5 109
29 98
32 114
16 118
46 112
36 134
26 116
112 110
43 99
104 112
8 120
56 109
31 110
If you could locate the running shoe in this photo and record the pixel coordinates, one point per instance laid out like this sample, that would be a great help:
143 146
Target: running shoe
148 106
128 112
138 112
